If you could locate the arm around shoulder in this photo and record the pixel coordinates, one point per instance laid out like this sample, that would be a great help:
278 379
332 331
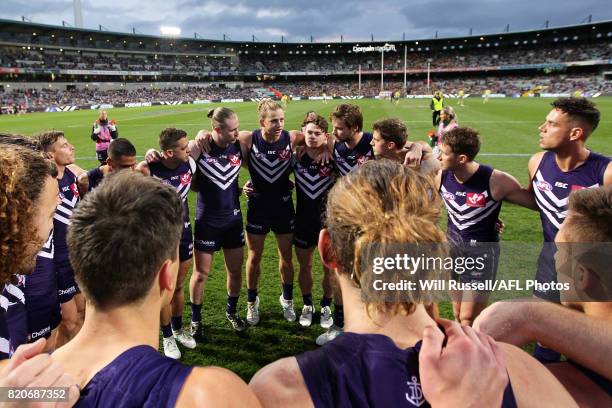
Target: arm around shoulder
215 387
281 384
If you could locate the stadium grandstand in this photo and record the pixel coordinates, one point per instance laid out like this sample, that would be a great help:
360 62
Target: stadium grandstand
44 67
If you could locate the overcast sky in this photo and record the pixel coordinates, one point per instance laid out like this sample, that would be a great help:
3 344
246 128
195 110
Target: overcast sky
325 20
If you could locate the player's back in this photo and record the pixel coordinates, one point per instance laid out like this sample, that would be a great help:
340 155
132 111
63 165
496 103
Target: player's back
139 377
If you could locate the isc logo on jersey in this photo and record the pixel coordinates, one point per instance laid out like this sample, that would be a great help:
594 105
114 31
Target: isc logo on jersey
475 200
185 179
362 159
234 160
543 185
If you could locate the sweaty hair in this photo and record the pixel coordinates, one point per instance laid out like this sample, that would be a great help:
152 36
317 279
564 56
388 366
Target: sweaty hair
373 208
350 114
121 234
318 121
23 173
589 226
169 138
47 138
591 214
220 115
121 147
266 106
579 109
463 140
392 130
19 140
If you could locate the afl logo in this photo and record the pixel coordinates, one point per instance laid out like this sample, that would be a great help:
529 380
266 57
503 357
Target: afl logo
325 171
543 185
284 155
185 179
475 200
234 160
448 196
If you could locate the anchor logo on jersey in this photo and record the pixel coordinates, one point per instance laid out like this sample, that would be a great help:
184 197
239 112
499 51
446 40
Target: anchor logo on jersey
284 155
185 179
415 397
475 200
234 160
577 187
325 171
74 189
361 160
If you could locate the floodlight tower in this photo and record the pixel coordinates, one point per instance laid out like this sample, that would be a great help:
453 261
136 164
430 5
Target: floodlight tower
78 16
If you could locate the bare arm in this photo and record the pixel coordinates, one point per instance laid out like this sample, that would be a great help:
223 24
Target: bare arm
143 167
215 387
533 385
246 138
505 187
532 166
281 384
83 184
76 169
582 338
608 175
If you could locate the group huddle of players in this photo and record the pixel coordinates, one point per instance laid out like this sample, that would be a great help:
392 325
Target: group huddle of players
48 303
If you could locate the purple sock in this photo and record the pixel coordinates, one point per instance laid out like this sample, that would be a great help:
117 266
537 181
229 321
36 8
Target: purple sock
177 322
232 303
196 313
251 295
288 291
167 330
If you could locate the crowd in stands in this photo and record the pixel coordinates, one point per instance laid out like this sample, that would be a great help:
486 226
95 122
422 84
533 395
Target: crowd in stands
270 62
509 85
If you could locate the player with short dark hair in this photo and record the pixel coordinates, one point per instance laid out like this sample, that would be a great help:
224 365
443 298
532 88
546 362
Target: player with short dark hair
176 169
124 243
55 146
121 155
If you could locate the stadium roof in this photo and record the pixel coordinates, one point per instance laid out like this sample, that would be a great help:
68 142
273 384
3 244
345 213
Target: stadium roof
585 31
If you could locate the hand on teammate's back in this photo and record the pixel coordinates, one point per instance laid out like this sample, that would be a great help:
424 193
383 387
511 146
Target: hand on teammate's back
153 156
414 155
454 375
203 140
30 367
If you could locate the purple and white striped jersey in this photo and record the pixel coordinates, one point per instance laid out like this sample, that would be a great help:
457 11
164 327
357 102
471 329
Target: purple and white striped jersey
179 178
270 164
69 196
552 187
472 212
348 159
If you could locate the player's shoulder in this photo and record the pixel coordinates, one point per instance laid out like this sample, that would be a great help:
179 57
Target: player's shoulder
215 386
281 384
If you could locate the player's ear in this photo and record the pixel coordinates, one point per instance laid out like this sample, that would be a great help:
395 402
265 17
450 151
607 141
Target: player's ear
167 277
327 253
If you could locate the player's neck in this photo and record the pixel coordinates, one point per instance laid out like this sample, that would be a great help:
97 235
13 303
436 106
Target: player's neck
269 138
572 157
463 173
353 141
404 330
217 139
170 163
60 170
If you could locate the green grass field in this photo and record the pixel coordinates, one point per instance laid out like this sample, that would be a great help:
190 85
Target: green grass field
509 131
